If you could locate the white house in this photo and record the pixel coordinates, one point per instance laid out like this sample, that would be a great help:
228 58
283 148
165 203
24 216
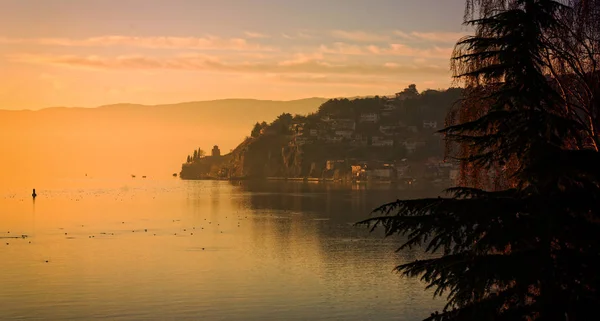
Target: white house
344 133
369 118
338 124
389 106
383 142
301 140
334 139
388 129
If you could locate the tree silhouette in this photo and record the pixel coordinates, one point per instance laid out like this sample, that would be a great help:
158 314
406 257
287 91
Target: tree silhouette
258 127
189 159
256 130
201 153
410 91
195 157
517 239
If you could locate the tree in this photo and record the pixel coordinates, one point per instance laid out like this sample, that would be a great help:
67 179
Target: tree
256 130
195 155
189 159
258 127
281 125
201 153
517 239
408 92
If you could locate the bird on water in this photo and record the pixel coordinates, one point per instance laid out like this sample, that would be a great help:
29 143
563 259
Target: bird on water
34 194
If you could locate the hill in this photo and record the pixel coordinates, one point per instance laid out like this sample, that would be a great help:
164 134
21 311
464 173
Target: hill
386 137
126 139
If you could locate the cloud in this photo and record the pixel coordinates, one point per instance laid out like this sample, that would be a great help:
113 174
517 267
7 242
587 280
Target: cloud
302 34
328 80
394 49
192 43
389 36
433 37
359 36
298 65
250 34
301 58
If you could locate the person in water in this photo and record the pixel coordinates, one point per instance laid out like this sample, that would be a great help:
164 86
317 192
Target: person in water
34 194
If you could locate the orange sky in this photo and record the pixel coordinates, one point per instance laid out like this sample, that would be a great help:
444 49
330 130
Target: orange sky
67 53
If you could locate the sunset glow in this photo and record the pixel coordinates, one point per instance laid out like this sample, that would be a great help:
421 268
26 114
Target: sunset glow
82 53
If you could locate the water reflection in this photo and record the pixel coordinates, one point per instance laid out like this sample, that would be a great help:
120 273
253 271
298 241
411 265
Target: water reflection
202 250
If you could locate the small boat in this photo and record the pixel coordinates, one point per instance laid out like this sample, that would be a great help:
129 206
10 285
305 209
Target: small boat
144 176
132 176
174 174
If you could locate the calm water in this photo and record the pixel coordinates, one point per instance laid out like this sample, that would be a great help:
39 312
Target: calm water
201 250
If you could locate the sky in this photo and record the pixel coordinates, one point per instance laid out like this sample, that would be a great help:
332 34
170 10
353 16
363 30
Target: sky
88 53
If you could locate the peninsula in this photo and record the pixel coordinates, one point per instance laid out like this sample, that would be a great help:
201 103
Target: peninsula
391 139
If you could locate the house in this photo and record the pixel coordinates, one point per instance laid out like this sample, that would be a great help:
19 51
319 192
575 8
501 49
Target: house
334 164
301 140
216 152
389 106
411 145
334 139
380 173
369 118
430 124
453 174
339 124
357 170
360 140
297 128
383 142
388 129
344 133
403 171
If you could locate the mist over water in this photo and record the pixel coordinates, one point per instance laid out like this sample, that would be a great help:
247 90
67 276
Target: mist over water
113 142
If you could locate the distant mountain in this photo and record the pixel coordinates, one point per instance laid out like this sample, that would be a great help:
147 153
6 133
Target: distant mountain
124 139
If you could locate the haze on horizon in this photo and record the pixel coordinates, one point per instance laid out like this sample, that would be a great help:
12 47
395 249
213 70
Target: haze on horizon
56 53
84 53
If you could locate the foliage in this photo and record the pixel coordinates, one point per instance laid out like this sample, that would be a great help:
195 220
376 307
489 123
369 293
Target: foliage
517 240
258 127
281 125
408 92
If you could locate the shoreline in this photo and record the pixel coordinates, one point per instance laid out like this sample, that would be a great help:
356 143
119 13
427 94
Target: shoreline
407 183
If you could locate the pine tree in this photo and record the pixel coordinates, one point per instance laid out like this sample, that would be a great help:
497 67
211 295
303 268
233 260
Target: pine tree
189 159
195 157
523 247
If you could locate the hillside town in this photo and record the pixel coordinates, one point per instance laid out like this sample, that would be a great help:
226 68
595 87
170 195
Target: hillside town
383 139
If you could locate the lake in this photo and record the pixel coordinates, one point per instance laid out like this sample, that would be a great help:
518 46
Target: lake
166 249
